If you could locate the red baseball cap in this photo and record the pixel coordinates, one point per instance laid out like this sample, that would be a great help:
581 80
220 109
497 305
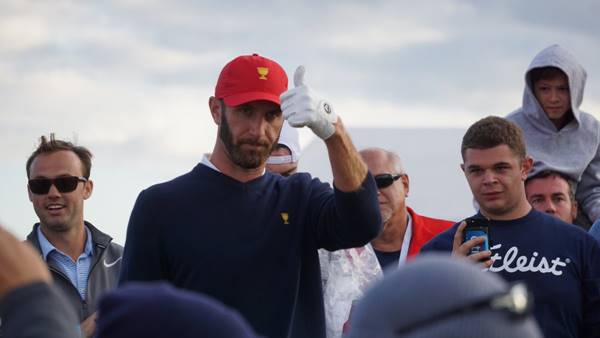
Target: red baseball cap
251 78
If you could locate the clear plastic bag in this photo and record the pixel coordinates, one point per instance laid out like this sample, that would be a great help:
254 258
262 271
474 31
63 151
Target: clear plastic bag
346 275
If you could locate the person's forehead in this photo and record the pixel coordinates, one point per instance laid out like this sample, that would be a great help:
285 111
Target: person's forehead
378 162
56 163
549 185
490 156
557 79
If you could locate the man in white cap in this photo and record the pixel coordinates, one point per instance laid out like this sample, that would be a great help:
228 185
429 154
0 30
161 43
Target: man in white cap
284 158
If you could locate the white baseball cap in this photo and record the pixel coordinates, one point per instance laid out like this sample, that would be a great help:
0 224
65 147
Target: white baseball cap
289 137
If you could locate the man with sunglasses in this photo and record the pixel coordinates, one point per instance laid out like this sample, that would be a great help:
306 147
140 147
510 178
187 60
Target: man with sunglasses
558 261
404 231
284 157
347 273
84 261
244 235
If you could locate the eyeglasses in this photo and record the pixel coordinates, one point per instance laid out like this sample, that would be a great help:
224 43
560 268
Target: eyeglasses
385 180
516 302
41 186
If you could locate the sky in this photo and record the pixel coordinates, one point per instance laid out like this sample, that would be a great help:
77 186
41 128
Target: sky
131 79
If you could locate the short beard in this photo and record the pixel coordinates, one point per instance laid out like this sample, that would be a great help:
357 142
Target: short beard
56 227
246 160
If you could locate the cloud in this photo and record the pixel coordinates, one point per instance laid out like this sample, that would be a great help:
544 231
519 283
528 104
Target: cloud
128 72
18 34
359 113
381 27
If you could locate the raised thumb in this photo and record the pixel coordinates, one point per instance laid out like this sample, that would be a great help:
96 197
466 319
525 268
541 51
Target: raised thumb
299 76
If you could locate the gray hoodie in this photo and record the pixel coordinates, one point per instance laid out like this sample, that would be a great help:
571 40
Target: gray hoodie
573 150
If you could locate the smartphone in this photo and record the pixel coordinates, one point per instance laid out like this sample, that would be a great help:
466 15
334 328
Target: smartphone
477 227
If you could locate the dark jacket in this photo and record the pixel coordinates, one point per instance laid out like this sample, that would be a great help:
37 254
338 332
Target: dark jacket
37 310
103 276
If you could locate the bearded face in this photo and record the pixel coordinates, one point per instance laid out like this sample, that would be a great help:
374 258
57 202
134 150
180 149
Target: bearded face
247 152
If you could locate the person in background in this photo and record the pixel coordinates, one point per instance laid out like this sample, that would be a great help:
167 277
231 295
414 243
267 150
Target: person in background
30 305
551 192
559 136
159 310
436 296
284 158
595 230
348 273
84 261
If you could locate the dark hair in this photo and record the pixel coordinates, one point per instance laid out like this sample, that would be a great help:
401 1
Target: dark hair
493 131
53 145
544 73
553 173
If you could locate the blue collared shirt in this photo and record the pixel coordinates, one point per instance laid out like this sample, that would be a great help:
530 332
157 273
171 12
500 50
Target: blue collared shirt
77 272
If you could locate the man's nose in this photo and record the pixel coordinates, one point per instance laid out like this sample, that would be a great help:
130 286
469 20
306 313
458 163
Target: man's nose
257 127
549 207
489 177
554 95
53 191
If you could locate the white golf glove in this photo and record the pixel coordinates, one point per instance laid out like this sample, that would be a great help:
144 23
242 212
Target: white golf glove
302 107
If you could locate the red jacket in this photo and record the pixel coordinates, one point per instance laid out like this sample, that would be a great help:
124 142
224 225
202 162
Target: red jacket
424 229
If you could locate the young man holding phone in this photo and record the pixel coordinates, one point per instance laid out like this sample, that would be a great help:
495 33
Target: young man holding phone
557 260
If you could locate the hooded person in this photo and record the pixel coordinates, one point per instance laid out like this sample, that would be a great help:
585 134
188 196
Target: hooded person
559 136
159 310
438 296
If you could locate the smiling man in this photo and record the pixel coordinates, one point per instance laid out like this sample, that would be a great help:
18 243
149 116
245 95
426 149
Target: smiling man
244 235
84 261
557 260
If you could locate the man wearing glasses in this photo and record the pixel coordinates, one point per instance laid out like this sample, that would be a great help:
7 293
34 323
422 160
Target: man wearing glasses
284 157
84 262
404 231
347 273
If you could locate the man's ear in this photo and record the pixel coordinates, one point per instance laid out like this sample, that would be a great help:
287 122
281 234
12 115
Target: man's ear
462 167
574 209
215 109
526 166
406 183
29 193
87 189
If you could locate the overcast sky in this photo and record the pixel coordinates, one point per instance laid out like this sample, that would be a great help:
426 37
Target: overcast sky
131 79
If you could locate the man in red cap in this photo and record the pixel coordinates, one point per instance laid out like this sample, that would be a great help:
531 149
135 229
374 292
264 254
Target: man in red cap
246 236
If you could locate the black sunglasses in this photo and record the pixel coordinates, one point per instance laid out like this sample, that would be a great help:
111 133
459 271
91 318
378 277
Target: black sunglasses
516 302
385 180
41 186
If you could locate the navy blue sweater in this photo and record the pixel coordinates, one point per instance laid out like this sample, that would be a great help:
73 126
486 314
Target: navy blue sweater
559 262
251 245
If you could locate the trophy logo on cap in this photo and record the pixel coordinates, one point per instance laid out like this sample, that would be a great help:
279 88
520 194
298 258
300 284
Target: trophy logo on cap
262 72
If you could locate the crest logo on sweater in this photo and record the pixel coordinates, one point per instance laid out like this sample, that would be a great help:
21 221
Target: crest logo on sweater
511 262
285 217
